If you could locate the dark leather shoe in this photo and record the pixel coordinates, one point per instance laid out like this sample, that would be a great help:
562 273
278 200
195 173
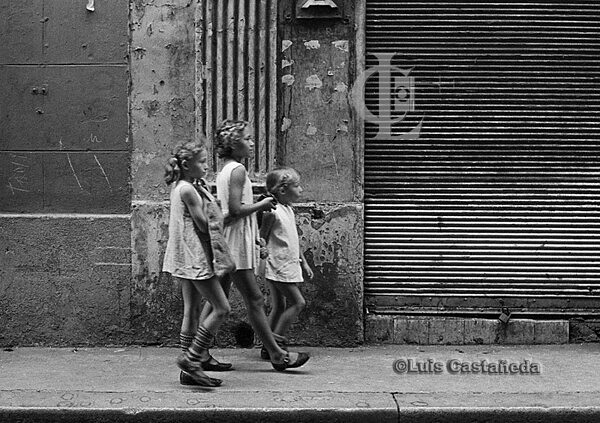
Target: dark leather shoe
287 364
212 365
188 380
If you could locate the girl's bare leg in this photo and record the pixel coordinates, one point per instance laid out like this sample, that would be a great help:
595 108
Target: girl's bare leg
277 300
191 307
213 292
226 285
295 302
246 283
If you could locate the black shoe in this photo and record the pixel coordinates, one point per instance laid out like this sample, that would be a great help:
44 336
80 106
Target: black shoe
192 369
286 364
212 365
187 380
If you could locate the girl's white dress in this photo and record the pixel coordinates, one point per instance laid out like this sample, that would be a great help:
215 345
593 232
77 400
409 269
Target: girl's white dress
240 235
188 254
283 262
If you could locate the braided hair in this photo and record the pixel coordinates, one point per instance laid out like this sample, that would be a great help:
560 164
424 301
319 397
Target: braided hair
187 151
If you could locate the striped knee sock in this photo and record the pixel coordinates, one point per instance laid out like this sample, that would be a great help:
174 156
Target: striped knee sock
201 342
185 340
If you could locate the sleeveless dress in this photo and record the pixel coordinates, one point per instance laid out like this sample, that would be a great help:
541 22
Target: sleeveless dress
240 235
188 254
283 262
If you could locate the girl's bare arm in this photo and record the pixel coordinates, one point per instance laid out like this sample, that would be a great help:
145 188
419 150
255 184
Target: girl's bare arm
194 204
237 210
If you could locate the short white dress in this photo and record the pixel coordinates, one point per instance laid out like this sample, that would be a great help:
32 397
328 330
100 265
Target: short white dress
188 254
283 262
240 235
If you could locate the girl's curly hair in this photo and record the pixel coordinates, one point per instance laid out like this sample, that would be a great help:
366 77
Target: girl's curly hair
228 134
185 151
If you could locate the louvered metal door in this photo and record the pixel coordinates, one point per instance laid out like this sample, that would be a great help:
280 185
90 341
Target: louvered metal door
495 197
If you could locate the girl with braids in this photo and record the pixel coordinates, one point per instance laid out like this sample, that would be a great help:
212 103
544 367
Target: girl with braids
234 190
196 256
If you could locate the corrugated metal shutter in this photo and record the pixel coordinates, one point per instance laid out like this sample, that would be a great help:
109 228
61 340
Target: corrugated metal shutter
236 46
497 198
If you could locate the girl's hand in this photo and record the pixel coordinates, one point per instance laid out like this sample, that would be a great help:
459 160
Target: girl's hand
264 253
309 273
267 203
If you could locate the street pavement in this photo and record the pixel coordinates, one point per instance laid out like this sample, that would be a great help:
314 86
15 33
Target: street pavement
387 383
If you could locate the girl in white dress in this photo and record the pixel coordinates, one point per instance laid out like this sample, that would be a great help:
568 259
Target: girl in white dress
189 259
234 190
284 260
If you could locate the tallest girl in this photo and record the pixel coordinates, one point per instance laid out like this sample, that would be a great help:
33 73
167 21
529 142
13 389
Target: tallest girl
234 144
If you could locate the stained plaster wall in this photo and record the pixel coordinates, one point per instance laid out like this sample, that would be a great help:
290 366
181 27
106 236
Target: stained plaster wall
65 267
320 141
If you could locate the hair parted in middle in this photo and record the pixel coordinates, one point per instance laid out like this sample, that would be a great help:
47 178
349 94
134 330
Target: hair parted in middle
229 133
279 178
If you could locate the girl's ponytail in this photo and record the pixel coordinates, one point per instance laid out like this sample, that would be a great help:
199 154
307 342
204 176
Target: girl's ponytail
187 151
172 170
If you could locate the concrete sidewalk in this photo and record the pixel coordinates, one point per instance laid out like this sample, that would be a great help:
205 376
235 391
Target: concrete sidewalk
140 384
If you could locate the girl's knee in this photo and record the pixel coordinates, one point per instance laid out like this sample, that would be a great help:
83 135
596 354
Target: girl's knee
300 304
257 302
223 311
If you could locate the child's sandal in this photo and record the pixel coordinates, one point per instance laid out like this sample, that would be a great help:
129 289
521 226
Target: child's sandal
212 364
286 364
187 380
281 341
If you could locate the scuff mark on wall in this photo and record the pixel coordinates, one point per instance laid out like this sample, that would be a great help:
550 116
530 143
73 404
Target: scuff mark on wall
341 45
286 124
139 53
313 81
341 87
311 130
151 107
288 79
312 45
343 127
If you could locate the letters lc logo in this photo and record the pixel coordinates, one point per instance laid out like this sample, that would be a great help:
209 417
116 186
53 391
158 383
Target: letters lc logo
395 95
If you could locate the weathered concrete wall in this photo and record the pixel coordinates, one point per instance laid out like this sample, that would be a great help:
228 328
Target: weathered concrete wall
162 89
320 135
95 279
331 236
64 280
162 115
64 148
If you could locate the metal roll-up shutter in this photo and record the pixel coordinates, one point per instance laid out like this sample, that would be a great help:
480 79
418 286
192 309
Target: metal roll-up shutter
485 189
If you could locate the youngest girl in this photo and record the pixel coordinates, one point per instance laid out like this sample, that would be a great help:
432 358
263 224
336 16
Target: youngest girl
195 223
285 261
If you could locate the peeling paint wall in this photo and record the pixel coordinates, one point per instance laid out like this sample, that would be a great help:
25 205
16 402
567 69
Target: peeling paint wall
318 133
319 138
96 279
162 117
162 89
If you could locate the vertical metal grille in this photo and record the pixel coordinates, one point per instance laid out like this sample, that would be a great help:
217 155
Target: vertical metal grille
236 74
497 198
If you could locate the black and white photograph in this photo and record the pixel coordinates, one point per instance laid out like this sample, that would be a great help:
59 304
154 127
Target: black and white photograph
287 211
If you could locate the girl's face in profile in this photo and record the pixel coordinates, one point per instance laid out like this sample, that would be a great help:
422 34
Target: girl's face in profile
291 193
243 148
198 166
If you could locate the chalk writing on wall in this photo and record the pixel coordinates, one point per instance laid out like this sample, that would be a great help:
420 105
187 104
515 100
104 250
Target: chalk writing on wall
17 179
